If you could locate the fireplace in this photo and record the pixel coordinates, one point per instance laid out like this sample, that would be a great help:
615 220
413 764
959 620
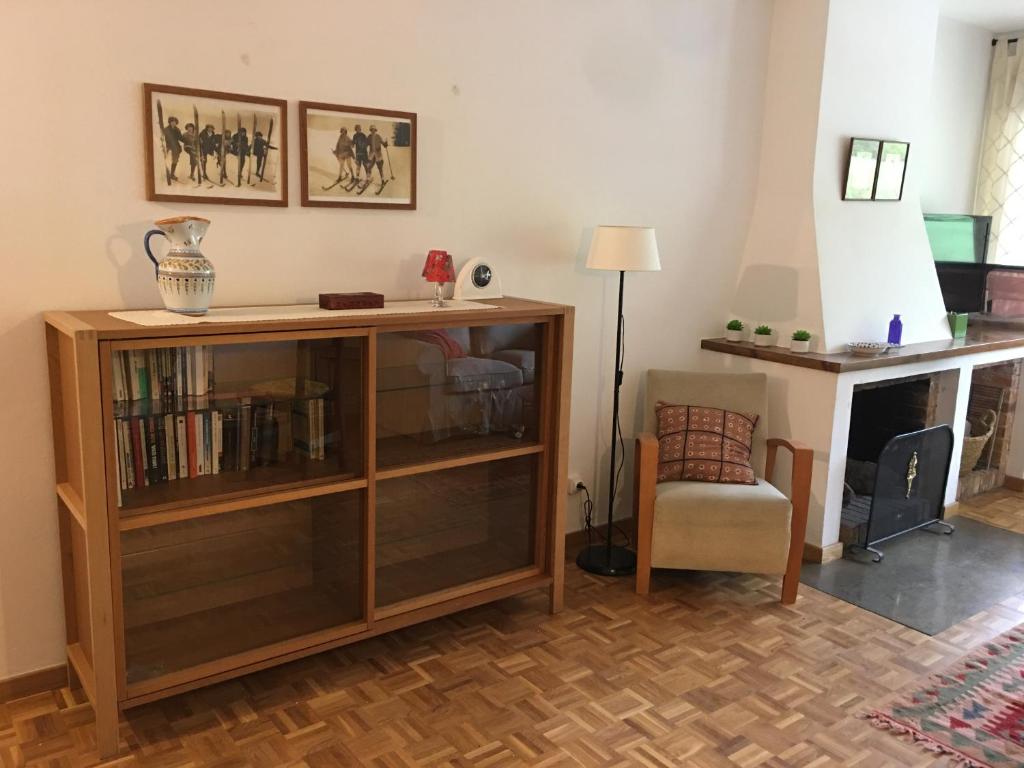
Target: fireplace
897 461
992 402
812 399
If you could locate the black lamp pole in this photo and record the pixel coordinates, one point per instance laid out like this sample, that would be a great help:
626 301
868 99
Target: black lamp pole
607 559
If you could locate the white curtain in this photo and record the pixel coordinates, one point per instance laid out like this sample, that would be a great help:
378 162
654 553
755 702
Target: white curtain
1000 192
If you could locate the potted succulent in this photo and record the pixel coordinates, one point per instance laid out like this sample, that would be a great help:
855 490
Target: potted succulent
801 341
734 331
762 336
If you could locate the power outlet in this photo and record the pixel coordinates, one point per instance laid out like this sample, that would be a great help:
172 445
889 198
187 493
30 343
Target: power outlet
574 481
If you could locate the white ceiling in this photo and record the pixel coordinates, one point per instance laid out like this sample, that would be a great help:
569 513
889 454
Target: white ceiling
994 15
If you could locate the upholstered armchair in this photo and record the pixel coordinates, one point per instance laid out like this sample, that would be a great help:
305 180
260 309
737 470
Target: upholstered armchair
705 526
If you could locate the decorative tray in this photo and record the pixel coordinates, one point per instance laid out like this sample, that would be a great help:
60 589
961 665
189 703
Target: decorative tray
868 348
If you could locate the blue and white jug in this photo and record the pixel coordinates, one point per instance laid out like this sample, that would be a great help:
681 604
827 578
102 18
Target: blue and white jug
184 276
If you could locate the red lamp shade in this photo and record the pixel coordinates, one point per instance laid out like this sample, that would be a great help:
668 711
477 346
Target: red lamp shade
439 268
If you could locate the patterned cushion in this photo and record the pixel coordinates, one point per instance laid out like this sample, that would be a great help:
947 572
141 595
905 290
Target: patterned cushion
706 444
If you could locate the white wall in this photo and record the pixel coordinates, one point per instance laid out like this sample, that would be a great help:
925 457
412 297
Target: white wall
538 120
949 152
874 257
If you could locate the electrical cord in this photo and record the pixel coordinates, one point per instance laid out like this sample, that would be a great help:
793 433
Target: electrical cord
588 520
588 512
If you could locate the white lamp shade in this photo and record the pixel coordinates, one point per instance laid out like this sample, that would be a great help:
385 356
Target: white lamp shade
624 249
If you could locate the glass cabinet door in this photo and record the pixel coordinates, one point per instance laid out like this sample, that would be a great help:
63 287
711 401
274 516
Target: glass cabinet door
450 392
203 589
195 422
444 529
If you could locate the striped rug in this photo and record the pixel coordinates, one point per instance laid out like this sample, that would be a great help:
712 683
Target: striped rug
972 712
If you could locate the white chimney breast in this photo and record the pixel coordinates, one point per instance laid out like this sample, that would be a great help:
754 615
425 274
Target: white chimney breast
873 257
841 269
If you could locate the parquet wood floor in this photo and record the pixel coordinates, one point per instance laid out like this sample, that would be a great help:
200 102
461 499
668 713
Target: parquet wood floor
709 671
1002 508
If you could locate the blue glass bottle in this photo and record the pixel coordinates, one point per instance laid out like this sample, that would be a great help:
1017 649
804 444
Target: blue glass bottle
895 330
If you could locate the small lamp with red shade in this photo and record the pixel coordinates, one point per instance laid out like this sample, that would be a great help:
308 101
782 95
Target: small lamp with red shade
439 270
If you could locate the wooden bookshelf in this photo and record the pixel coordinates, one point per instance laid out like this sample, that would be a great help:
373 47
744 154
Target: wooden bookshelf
343 477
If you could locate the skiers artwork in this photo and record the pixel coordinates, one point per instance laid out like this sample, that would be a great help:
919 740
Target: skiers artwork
206 146
357 158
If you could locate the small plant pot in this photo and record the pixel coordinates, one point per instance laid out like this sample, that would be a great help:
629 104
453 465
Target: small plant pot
800 346
733 335
761 340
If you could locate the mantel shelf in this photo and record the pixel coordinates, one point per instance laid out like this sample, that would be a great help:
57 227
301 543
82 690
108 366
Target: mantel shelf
980 338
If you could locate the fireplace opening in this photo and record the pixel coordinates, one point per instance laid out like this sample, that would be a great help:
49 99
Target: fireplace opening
990 413
894 439
881 410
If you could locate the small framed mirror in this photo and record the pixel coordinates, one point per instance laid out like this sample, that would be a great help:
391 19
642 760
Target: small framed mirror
863 165
892 170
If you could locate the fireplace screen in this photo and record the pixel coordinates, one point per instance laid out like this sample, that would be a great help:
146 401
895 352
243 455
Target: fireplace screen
909 487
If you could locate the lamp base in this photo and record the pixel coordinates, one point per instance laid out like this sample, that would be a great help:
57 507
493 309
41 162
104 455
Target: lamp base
598 559
438 300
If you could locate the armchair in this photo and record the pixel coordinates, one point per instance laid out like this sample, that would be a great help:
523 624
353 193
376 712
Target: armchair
713 526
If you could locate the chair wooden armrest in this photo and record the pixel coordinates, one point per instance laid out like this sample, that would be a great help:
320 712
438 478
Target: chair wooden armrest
645 473
800 494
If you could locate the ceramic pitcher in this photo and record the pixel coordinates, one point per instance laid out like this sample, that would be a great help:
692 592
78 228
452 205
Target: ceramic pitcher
185 277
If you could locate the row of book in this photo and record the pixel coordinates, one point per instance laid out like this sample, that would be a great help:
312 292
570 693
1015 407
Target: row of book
157 374
159 449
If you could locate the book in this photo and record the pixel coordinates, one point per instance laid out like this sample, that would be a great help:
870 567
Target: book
319 433
122 472
152 374
268 436
135 425
143 451
229 441
169 447
319 428
218 441
302 427
136 368
207 442
197 420
244 434
190 435
151 450
125 434
257 412
117 370
181 445
160 447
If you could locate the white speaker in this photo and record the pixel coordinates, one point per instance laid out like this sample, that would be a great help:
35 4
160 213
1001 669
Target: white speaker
478 279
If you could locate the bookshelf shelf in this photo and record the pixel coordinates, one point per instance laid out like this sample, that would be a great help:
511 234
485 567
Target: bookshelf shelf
207 488
235 496
130 409
158 514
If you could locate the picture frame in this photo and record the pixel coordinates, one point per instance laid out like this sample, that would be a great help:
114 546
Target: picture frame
238 157
892 170
862 169
357 157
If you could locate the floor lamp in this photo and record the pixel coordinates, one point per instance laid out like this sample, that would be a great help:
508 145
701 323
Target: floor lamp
622 250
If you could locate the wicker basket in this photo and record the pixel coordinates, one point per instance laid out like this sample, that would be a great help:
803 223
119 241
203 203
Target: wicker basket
983 426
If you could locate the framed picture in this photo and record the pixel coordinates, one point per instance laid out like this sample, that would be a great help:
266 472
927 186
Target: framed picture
355 157
892 170
214 147
862 169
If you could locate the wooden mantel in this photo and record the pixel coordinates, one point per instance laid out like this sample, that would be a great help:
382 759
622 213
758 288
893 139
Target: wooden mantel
980 338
